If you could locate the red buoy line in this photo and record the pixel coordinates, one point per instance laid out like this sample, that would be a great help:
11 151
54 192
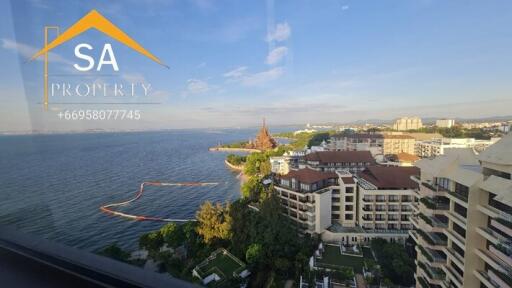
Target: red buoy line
107 208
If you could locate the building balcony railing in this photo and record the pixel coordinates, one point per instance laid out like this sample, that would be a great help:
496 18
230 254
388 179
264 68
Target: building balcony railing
459 196
486 279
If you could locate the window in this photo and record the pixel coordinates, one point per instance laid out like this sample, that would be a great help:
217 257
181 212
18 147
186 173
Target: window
349 216
349 198
349 207
349 190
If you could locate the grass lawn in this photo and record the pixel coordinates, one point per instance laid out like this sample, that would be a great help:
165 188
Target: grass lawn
223 265
332 258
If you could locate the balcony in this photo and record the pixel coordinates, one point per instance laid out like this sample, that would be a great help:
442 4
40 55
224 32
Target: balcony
456 257
435 274
492 236
486 279
433 205
432 239
459 196
494 261
503 252
503 280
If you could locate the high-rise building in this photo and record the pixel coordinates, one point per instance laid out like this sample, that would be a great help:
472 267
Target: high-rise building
407 123
464 218
445 123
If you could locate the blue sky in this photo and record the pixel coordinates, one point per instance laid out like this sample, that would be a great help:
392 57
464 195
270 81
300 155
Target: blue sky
234 62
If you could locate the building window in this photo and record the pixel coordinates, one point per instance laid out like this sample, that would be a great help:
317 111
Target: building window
349 216
349 207
460 210
349 198
349 190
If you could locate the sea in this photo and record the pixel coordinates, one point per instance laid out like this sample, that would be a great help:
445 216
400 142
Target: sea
52 186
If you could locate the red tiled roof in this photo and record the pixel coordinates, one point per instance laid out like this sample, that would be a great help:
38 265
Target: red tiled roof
309 176
390 177
340 157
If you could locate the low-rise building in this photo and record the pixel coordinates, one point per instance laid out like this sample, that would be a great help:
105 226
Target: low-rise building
351 161
395 144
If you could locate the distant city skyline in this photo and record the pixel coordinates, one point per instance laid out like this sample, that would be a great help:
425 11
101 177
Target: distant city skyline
233 63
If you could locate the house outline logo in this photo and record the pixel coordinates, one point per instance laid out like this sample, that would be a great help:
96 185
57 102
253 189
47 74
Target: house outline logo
95 20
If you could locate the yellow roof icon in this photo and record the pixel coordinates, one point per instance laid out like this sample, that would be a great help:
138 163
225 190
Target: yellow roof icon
94 19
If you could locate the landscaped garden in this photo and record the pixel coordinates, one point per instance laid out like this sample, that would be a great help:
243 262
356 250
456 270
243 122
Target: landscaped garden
223 264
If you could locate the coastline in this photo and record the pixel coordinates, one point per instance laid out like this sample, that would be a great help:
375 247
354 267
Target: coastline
227 149
240 168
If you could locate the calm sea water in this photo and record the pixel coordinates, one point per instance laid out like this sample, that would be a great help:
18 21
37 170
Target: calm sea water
53 185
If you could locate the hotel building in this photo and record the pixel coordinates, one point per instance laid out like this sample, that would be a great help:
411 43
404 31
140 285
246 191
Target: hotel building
339 206
464 218
351 161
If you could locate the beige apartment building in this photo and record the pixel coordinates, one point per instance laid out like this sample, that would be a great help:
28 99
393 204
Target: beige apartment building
376 143
407 123
464 218
395 144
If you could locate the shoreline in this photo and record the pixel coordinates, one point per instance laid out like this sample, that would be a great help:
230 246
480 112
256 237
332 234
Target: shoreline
227 149
240 168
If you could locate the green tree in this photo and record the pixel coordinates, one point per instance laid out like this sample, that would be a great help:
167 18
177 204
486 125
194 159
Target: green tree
115 252
172 234
214 222
151 241
252 188
254 253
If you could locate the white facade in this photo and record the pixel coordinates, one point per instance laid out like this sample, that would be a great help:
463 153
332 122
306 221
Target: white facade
437 147
407 123
445 123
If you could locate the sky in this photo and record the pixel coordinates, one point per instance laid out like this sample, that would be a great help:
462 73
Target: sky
232 63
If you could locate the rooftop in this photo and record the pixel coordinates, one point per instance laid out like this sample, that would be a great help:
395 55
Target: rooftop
406 157
340 157
500 152
308 175
390 177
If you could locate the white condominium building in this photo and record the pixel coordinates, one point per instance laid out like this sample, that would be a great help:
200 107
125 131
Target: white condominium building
432 148
464 218
445 123
407 123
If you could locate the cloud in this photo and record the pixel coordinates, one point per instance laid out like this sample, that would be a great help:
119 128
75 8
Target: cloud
241 75
276 55
196 86
263 77
345 7
133 77
27 51
236 73
281 32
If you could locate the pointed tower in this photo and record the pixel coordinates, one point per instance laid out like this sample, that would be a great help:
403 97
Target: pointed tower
264 140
